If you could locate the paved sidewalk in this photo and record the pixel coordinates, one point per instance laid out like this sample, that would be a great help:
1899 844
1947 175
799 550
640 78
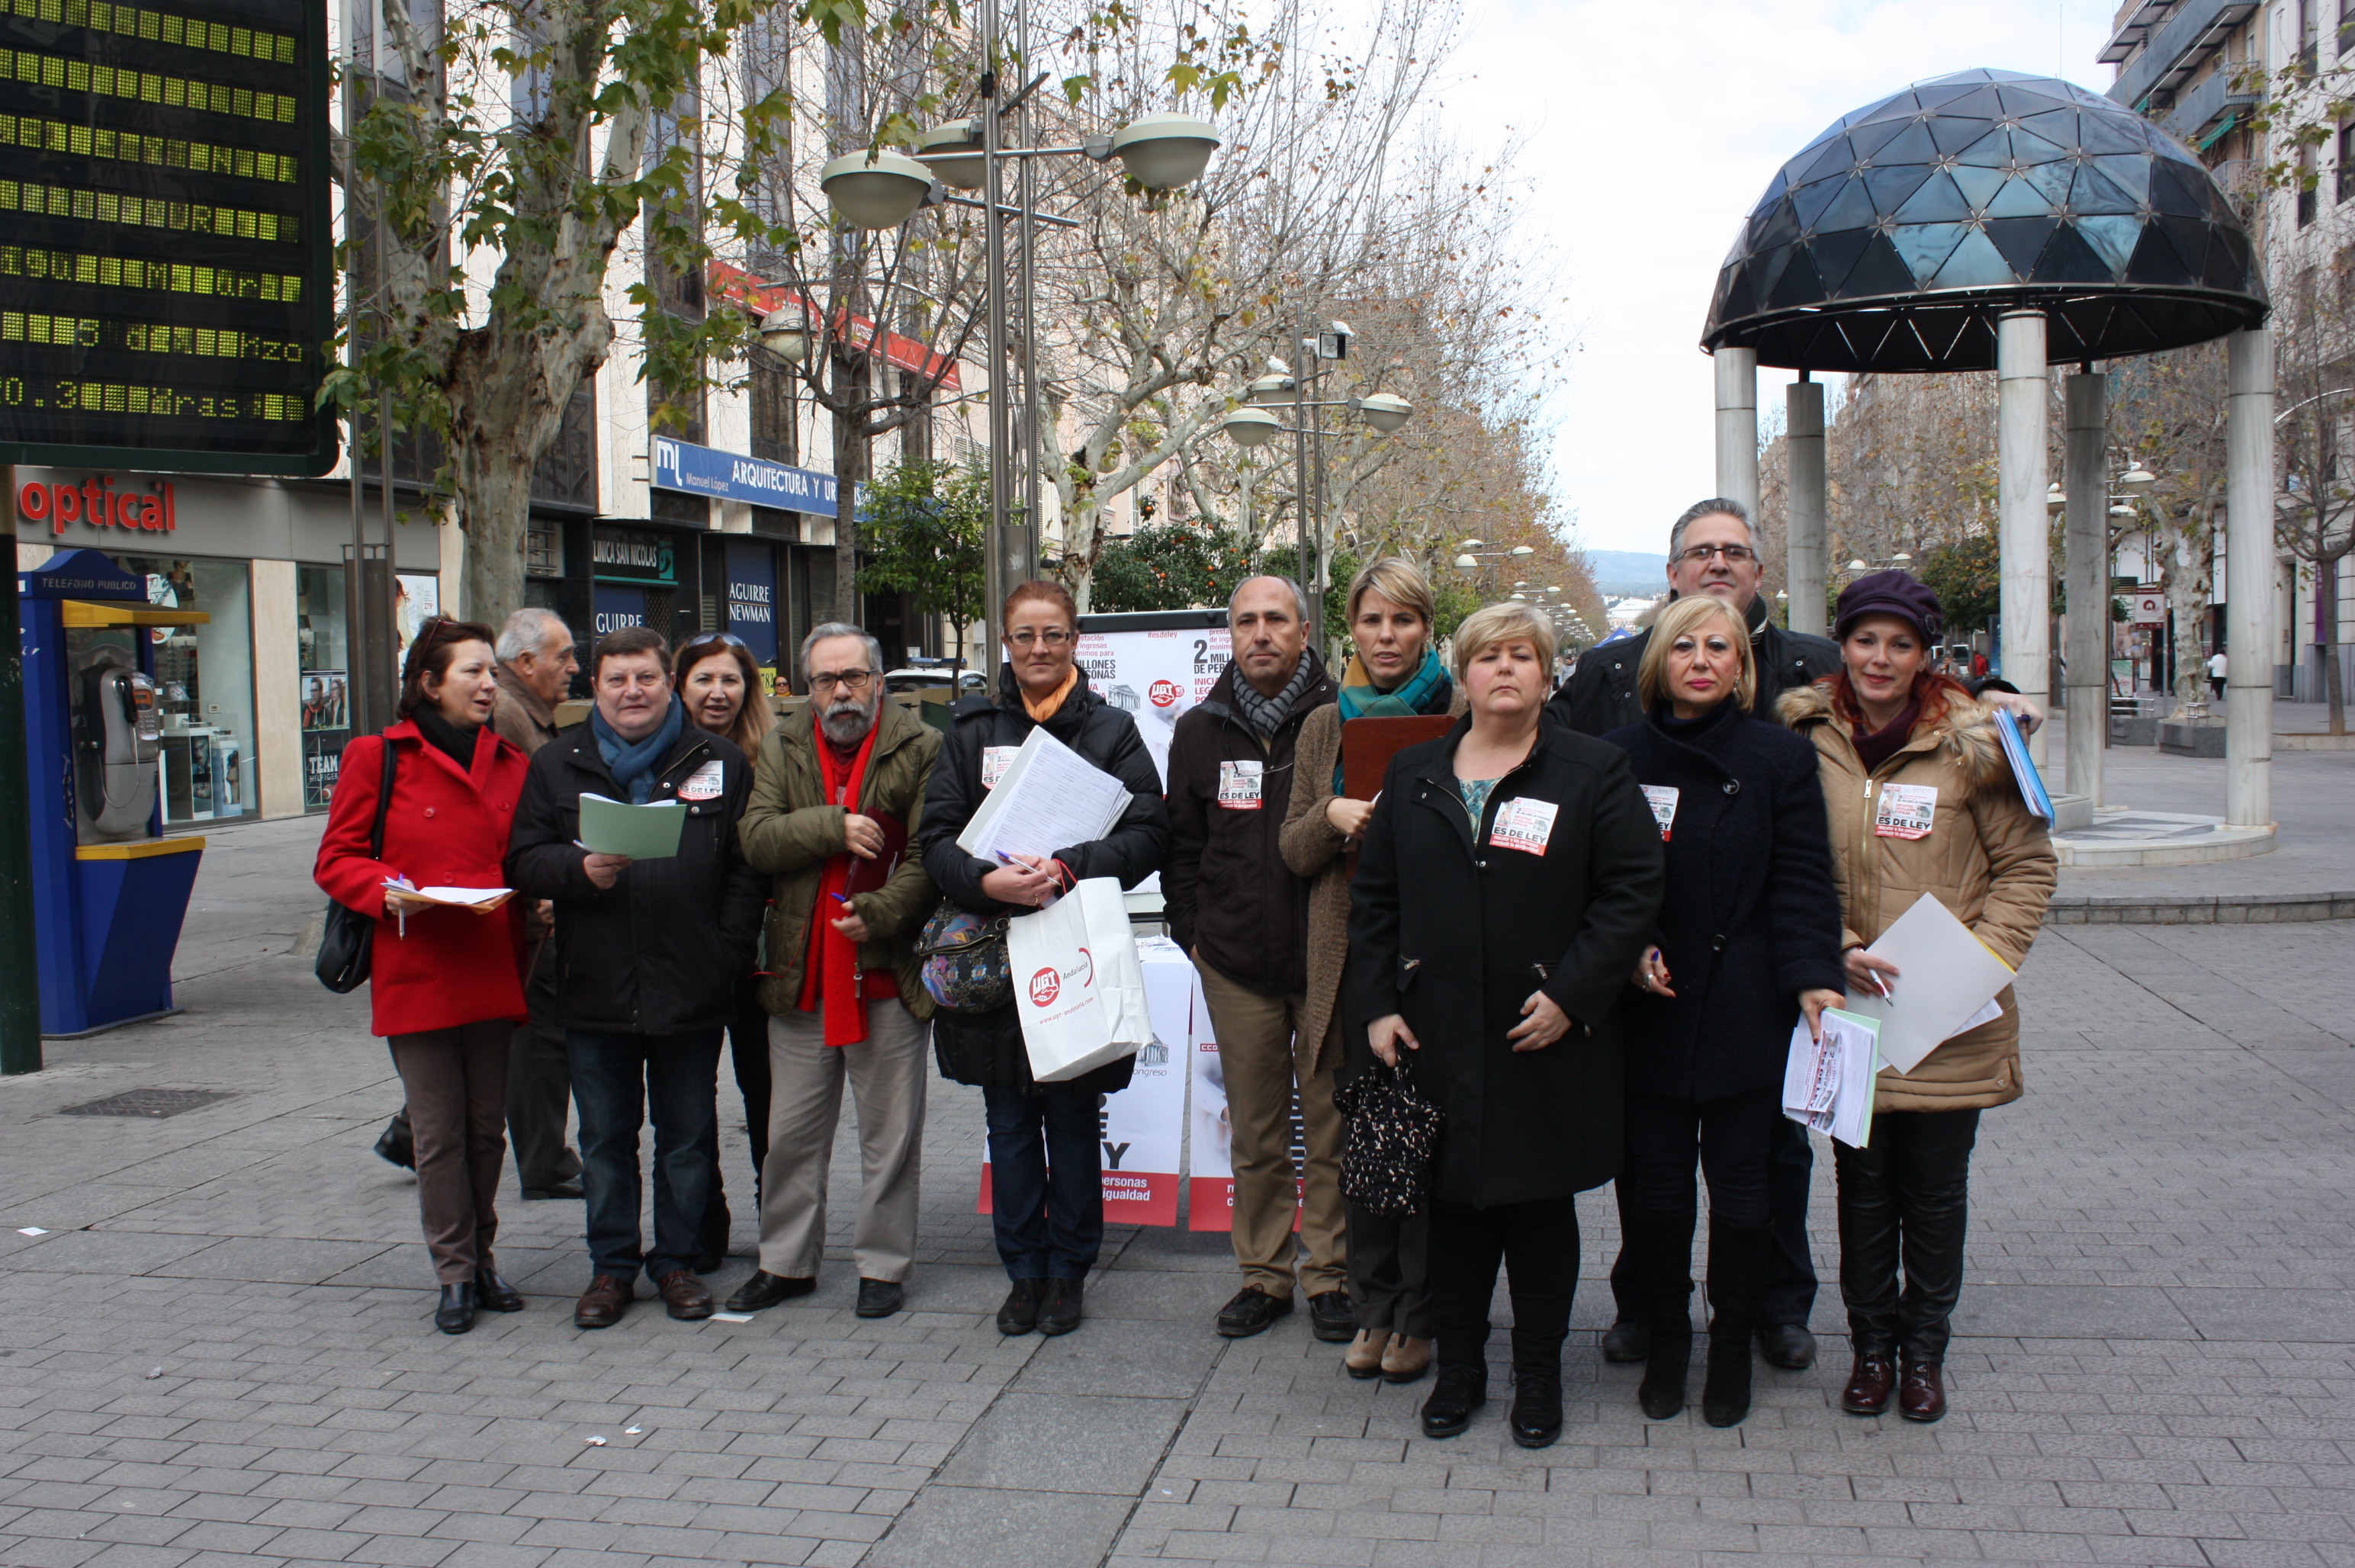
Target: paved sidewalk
221 1353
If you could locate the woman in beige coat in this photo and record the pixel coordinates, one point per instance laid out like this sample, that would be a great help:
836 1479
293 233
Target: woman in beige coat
1922 801
1394 673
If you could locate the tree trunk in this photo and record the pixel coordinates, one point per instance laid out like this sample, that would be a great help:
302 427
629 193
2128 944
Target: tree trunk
2187 597
851 375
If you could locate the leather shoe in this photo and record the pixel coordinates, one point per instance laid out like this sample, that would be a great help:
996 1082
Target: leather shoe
684 1296
553 1191
1059 1307
1250 1312
1869 1384
493 1293
1787 1345
456 1313
1536 1409
1921 1391
1405 1359
397 1145
602 1305
879 1297
1364 1358
765 1290
1331 1317
1628 1341
1020 1313
1459 1391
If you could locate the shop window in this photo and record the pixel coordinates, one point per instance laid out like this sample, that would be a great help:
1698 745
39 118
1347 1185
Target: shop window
323 678
203 679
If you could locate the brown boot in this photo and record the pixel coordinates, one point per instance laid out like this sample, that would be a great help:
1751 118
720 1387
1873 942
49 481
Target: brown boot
1869 1384
1364 1357
1921 1391
685 1295
1405 1359
602 1304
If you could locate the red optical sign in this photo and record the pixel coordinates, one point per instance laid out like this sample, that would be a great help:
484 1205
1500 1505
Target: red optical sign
99 504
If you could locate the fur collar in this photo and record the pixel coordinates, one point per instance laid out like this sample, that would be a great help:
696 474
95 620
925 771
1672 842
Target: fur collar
1966 734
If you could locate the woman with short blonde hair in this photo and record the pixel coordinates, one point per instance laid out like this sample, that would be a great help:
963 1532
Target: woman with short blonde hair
1491 624
1686 617
1398 579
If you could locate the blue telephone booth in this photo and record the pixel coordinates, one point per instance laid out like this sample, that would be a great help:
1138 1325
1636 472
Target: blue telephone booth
110 893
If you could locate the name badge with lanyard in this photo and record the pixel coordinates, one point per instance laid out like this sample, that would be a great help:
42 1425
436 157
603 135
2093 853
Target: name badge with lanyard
1523 823
1662 799
704 783
1240 786
1905 811
994 760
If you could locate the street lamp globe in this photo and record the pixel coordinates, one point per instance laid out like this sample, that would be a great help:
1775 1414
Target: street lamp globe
1858 566
2137 480
1471 544
956 136
1251 427
1273 388
874 190
1467 564
1522 549
2123 510
2054 501
1385 411
1162 152
786 337
1900 559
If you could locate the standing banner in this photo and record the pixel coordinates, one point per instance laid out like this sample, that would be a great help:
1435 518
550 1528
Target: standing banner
1211 1186
1154 668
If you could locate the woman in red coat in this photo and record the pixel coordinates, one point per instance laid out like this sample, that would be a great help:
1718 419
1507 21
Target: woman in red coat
447 982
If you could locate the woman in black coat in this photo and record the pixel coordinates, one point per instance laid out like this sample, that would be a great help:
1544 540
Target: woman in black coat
1510 877
1046 1156
1749 938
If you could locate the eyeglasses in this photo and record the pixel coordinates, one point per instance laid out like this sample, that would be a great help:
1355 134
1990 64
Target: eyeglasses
1053 637
705 639
848 679
1735 554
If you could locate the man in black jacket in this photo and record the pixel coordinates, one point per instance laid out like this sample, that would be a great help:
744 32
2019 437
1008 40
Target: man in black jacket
648 953
1714 549
1238 909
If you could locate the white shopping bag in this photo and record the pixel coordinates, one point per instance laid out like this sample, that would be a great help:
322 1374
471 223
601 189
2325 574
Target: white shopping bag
1077 985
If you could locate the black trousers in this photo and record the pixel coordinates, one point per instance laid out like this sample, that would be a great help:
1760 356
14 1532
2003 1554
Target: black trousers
747 1052
1537 1242
1903 1202
1790 1295
539 1085
1734 1137
1390 1272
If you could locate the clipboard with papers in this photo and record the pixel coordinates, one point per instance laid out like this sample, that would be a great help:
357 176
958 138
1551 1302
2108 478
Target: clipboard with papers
1049 798
1947 982
2023 767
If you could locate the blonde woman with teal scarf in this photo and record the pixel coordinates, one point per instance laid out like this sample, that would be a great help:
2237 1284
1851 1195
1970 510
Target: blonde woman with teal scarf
1394 673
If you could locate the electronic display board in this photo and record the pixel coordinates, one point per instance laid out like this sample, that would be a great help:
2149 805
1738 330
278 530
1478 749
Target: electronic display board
166 269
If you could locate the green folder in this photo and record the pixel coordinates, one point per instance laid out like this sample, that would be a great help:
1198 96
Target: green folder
640 832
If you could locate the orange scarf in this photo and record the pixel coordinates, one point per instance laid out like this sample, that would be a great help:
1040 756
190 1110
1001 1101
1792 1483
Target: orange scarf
1042 711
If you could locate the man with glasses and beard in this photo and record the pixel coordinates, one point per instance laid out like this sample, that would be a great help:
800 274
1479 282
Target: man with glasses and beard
835 798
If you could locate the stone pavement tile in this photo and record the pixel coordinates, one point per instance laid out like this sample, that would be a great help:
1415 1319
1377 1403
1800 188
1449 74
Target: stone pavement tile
2272 1314
1065 1442
966 1527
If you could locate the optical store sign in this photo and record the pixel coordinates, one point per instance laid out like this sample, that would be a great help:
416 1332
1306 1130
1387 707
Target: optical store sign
708 471
96 503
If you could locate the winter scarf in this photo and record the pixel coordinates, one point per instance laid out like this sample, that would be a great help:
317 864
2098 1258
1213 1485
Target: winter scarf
635 763
1266 714
1428 690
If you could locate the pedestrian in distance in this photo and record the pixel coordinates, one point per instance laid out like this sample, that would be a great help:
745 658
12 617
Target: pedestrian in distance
1394 672
1046 1157
537 664
1748 941
1510 877
1714 551
445 985
2217 665
1922 804
1242 914
649 953
714 675
836 792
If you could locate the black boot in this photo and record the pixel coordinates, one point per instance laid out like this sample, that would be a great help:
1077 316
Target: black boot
1661 1249
1460 1391
1537 1389
1737 1275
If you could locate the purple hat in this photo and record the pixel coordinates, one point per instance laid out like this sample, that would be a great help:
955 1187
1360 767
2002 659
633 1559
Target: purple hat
1891 593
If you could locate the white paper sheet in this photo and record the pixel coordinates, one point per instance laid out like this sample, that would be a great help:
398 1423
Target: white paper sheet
1827 1082
1051 798
1945 976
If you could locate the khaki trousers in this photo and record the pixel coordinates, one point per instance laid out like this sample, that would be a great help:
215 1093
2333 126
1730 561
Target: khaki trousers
456 1080
887 1072
1263 1061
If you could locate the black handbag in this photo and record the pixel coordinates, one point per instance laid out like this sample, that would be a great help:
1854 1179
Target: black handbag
347 943
1393 1136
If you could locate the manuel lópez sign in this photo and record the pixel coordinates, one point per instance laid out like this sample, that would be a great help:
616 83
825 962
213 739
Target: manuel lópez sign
708 471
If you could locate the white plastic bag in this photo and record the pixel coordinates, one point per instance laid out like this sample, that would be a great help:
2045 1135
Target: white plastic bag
1079 986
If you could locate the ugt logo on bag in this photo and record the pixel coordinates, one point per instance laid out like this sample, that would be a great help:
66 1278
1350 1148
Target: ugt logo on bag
1045 986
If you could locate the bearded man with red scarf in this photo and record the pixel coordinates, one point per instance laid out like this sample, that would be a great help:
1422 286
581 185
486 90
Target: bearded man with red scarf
838 793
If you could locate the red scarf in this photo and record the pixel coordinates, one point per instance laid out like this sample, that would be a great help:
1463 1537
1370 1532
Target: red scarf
830 969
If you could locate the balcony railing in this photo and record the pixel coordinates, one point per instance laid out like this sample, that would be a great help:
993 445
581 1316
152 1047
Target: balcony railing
2177 47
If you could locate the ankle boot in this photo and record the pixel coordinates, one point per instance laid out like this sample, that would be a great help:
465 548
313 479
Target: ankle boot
1660 1248
1536 1417
1737 1275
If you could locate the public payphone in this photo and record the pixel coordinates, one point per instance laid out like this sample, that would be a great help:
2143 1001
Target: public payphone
110 893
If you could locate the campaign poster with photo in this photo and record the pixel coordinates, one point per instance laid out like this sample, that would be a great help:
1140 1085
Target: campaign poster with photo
1142 1126
1210 1171
1155 677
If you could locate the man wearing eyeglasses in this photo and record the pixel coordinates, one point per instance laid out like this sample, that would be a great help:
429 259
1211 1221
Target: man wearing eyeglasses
1714 549
836 792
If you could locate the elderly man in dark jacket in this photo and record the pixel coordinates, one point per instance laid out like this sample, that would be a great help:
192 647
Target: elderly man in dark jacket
1238 909
649 953
1714 549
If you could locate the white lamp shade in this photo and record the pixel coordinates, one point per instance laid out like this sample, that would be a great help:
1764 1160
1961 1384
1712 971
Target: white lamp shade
2122 510
787 340
956 136
874 190
1385 411
1523 549
1465 563
1272 389
2137 480
1161 152
1251 427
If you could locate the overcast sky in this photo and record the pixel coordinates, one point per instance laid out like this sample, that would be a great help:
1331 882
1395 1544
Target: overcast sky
1645 134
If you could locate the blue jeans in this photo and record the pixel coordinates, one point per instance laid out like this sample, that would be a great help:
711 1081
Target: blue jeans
618 1078
1046 1181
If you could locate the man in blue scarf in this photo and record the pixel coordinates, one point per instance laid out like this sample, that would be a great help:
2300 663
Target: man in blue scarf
649 953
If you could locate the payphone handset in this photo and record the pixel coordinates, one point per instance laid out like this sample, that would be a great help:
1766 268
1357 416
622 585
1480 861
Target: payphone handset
117 738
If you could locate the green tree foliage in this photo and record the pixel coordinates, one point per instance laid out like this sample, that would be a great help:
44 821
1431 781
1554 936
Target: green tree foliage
1170 566
922 524
1968 577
